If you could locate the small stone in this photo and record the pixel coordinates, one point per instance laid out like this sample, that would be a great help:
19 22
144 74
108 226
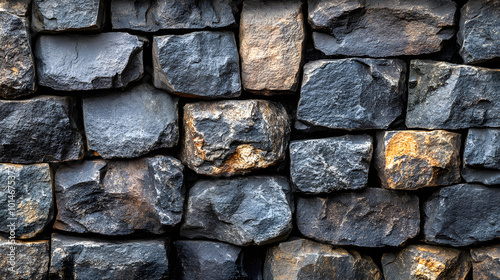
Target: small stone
352 93
131 123
226 138
242 211
482 156
31 260
485 262
16 7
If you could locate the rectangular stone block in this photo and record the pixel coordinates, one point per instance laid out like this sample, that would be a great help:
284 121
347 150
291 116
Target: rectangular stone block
30 260
482 156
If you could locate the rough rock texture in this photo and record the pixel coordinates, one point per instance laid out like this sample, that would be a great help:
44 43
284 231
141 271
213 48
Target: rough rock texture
486 262
305 259
31 260
241 211
462 215
131 123
225 138
412 159
272 41
120 197
371 218
83 258
41 129
379 28
352 93
330 164
16 7
482 156
199 64
89 62
451 96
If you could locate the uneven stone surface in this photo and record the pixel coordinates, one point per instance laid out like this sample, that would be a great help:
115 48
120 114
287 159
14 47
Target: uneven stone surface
15 7
89 62
131 123
330 164
462 215
486 262
199 64
371 218
242 211
482 156
272 41
450 96
120 197
225 138
30 260
352 93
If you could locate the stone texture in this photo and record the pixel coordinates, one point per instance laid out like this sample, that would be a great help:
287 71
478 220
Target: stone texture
16 7
120 197
378 28
352 93
462 215
41 129
371 218
330 164
486 262
482 156
30 260
225 138
89 62
80 258
450 96
413 159
131 123
241 211
272 42
199 64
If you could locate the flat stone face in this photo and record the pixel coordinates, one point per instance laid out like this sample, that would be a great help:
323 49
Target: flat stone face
352 93
450 96
106 60
226 138
131 123
200 64
462 215
120 197
330 164
482 156
371 218
272 41
15 7
485 265
379 28
242 211
31 260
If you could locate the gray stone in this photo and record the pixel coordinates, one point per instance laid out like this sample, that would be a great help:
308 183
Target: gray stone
89 62
24 260
450 96
352 93
485 262
16 7
241 211
200 64
482 156
131 123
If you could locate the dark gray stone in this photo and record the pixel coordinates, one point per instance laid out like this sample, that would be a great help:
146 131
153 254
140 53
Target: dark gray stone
131 123
352 93
27 261
462 215
482 156
16 7
199 64
485 262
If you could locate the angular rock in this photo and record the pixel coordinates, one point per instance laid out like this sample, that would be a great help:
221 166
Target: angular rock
28 260
379 28
450 96
120 197
462 215
371 218
200 64
16 7
330 164
352 93
272 43
242 211
41 129
485 262
106 60
482 156
226 138
131 123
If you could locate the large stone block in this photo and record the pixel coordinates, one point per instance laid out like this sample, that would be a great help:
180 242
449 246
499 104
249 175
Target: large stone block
27 261
482 156
485 262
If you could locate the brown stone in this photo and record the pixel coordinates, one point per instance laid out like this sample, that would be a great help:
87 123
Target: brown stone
16 7
486 262
31 260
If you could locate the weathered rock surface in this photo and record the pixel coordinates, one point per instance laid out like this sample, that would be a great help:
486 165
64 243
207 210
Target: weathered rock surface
41 129
482 156
330 164
199 64
241 211
15 7
379 28
486 262
225 138
462 215
450 96
89 62
272 42
131 123
120 197
30 260
352 93
371 218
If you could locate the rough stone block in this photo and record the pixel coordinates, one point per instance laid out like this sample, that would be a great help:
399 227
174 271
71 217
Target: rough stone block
31 260
16 7
485 262
482 156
